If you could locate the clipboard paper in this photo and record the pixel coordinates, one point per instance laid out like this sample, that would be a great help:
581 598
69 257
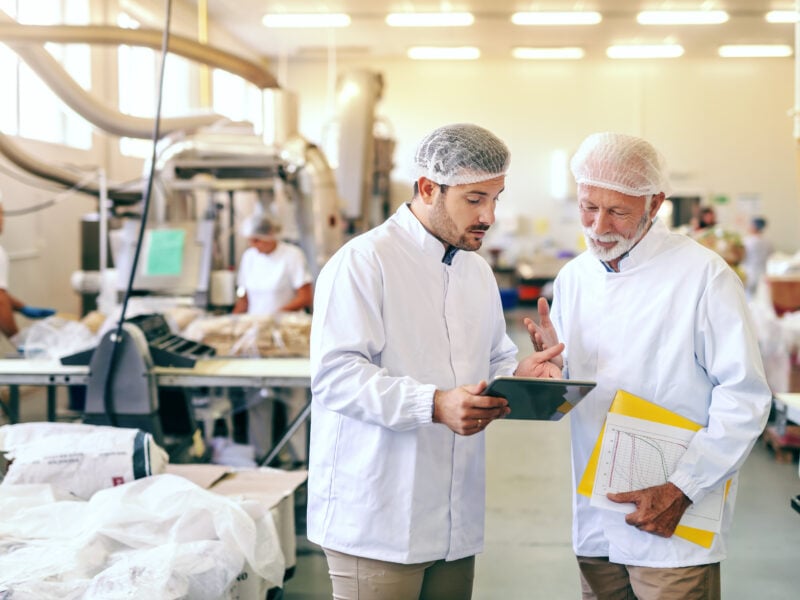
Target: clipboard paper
627 404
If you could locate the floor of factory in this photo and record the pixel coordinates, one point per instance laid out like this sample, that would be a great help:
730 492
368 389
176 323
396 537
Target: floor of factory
528 552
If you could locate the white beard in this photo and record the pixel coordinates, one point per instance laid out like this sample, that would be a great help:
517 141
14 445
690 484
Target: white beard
622 246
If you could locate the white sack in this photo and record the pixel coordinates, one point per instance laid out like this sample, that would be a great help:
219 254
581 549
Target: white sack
79 458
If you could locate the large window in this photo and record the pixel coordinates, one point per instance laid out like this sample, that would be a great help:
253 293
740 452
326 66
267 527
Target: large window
232 96
29 108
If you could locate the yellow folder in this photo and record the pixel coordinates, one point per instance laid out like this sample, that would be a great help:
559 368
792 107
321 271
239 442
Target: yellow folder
629 405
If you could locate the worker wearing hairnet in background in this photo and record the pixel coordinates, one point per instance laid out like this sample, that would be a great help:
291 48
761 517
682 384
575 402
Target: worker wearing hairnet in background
273 278
657 315
407 328
9 303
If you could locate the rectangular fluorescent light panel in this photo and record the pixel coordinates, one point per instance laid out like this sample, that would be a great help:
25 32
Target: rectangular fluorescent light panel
434 19
572 17
548 53
645 51
304 20
682 17
782 16
755 51
443 53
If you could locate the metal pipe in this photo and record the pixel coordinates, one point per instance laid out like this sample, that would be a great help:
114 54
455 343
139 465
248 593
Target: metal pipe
14 33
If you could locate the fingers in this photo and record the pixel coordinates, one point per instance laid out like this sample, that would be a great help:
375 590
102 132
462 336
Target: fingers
622 497
477 388
544 310
550 353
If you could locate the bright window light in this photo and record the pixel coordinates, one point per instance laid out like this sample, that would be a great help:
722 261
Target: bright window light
682 17
443 53
548 53
645 51
434 19
755 51
304 20
782 16
557 18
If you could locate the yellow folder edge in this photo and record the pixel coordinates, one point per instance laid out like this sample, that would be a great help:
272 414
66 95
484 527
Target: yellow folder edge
627 404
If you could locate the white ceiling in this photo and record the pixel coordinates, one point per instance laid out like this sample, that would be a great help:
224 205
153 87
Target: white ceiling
493 33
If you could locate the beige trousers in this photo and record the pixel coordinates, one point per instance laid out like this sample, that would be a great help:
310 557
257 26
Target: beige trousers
604 580
357 578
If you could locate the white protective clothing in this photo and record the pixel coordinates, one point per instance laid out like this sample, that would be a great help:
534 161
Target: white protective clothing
271 280
3 269
757 250
673 328
392 323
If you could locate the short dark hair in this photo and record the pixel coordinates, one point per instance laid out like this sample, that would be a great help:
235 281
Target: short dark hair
442 187
759 223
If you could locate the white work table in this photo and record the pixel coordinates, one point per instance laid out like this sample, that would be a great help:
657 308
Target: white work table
213 372
788 407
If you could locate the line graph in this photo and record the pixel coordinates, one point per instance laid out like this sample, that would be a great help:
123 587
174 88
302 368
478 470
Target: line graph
638 461
637 454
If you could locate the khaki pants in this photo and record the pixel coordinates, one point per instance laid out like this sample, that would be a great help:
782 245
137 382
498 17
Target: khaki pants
604 580
356 578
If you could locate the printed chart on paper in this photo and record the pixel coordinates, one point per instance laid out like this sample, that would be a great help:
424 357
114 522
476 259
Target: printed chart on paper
637 454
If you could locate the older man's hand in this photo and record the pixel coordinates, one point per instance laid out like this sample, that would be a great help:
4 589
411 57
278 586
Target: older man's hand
658 508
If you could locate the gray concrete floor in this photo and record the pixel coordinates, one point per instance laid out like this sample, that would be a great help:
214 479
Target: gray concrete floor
528 551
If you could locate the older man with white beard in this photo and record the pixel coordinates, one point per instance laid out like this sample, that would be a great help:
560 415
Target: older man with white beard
656 314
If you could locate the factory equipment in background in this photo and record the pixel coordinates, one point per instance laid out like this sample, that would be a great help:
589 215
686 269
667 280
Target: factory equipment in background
208 183
364 146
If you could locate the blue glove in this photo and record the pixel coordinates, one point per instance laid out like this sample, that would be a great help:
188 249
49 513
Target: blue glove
33 312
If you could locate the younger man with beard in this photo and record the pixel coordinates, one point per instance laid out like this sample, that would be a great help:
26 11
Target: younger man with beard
407 329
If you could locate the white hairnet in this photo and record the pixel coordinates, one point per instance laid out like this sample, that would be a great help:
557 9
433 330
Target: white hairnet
619 162
459 154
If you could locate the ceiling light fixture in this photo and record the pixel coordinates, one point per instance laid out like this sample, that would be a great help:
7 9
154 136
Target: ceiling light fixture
304 20
682 17
755 51
432 19
782 16
443 53
566 53
645 51
557 18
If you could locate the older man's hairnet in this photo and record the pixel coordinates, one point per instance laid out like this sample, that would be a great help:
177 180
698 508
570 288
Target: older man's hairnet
460 154
619 162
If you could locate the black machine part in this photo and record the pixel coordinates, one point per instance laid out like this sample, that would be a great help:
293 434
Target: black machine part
125 394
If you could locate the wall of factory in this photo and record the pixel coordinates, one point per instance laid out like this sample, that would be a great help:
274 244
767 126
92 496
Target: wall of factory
723 126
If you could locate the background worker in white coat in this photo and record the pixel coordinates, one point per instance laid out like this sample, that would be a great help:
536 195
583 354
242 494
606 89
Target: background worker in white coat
658 315
757 249
273 278
407 328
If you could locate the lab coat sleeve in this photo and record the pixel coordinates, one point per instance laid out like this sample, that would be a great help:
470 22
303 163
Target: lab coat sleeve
727 348
347 337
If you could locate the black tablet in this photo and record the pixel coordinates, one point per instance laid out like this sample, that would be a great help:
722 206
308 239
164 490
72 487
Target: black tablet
539 399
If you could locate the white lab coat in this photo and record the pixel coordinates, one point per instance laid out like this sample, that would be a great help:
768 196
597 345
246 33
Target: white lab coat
671 327
271 280
392 323
3 269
